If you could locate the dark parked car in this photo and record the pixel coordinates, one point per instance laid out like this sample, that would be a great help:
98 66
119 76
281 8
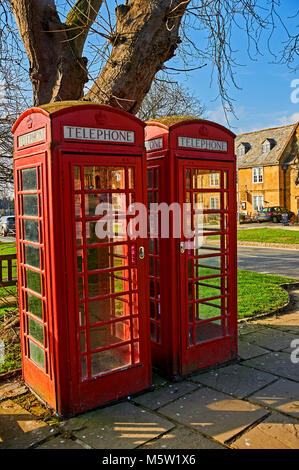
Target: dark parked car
7 225
273 214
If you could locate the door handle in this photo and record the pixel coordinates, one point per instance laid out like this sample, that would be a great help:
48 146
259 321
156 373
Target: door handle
141 252
182 247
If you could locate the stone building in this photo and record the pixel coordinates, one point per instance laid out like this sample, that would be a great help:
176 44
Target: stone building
268 169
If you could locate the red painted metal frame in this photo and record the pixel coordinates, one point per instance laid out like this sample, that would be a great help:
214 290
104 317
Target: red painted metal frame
61 388
173 356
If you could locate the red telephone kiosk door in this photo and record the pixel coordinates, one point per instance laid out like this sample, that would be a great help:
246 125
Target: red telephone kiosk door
207 268
109 319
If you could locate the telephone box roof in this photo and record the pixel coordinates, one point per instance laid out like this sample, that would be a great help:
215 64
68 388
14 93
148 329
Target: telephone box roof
168 122
50 109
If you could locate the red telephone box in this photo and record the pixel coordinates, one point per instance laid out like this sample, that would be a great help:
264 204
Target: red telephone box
193 286
84 315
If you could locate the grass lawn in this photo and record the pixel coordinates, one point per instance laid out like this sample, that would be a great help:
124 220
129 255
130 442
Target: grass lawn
269 235
260 293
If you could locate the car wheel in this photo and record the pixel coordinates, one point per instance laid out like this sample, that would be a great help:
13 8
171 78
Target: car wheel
274 220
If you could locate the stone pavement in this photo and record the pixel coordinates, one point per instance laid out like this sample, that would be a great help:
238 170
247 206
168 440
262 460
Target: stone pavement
252 404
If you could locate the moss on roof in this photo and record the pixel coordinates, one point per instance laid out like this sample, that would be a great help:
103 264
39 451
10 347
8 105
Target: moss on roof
171 120
57 105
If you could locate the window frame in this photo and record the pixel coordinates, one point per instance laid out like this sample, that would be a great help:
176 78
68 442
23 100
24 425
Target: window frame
257 175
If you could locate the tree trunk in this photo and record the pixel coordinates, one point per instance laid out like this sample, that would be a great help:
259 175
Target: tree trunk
56 72
146 37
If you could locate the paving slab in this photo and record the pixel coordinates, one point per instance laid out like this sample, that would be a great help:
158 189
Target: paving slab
275 432
247 350
286 322
183 438
274 340
282 395
60 442
18 428
162 396
246 328
12 389
235 380
277 363
121 426
213 413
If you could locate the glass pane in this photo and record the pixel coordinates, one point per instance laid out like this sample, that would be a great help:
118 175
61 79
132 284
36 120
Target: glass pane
77 178
207 288
153 331
78 205
131 178
111 359
149 179
80 288
83 368
35 306
116 200
136 350
29 181
96 177
210 243
37 355
80 261
31 230
188 178
103 257
205 267
82 341
33 281
32 257
79 237
206 310
208 331
206 179
36 330
108 309
30 204
81 315
211 222
106 283
105 335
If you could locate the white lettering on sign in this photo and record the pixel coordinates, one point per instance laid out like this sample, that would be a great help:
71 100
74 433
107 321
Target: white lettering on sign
103 135
32 137
202 144
154 144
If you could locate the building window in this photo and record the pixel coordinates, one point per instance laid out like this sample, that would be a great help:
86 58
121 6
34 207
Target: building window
258 202
241 150
214 179
257 175
214 203
266 146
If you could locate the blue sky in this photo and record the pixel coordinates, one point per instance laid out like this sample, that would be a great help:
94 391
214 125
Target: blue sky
265 96
264 99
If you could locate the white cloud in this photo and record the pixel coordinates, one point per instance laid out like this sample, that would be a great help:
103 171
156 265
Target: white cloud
285 120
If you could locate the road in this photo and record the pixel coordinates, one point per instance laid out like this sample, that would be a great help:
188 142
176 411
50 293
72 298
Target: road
269 260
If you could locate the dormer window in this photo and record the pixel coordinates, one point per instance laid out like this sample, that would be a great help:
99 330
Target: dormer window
268 145
243 148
